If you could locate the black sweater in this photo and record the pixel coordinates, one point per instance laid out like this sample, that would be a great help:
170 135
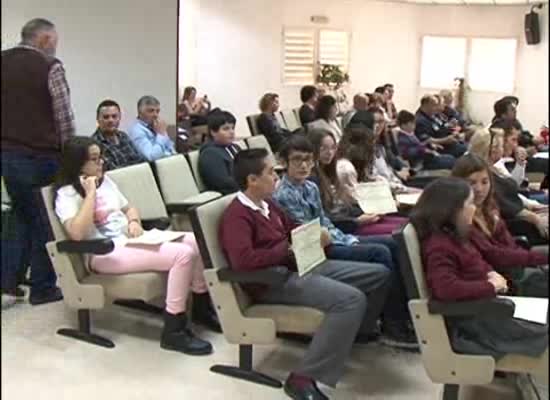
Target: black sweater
216 167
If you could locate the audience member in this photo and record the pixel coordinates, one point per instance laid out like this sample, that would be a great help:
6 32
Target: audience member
389 106
309 96
90 206
513 154
523 216
355 164
337 288
449 110
301 199
326 117
360 102
431 130
416 152
117 148
268 124
217 155
148 132
382 97
37 118
196 108
491 237
456 271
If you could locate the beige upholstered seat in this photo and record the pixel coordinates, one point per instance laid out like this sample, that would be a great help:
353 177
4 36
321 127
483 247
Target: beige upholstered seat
193 157
292 121
243 322
84 290
442 364
260 142
252 121
281 119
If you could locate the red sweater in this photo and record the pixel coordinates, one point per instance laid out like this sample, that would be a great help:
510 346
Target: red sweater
455 271
501 250
250 241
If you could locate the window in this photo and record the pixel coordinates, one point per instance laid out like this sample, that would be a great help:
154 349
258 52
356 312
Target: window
492 65
443 60
305 49
487 64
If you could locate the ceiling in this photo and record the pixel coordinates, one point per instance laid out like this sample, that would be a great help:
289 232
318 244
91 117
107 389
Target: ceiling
477 2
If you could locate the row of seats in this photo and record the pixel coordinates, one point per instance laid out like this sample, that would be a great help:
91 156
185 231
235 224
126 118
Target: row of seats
288 119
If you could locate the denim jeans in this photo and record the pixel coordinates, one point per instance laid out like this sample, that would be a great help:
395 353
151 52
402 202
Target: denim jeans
381 249
442 161
24 175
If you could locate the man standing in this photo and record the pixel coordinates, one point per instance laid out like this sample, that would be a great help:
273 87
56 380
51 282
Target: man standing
36 119
117 148
148 132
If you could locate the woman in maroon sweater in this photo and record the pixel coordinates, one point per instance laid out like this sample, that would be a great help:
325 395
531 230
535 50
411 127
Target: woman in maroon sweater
456 271
491 237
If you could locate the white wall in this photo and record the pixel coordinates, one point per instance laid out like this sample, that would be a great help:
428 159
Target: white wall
119 49
238 50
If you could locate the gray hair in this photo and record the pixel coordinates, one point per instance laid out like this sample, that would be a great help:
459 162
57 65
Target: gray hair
34 27
147 101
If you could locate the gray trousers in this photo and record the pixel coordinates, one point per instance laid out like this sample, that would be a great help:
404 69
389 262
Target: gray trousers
351 294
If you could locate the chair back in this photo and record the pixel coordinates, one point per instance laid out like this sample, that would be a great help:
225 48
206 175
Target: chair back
411 263
281 120
193 157
137 183
292 121
252 121
296 112
175 179
242 144
260 142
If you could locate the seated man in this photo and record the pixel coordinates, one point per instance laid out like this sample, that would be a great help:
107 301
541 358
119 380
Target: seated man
217 155
116 147
309 97
148 132
431 130
416 152
360 102
336 288
301 200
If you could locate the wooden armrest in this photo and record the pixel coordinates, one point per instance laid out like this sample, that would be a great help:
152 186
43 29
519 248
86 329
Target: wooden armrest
269 276
496 308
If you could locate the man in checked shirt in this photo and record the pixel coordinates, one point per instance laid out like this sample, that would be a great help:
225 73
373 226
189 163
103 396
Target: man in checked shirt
36 119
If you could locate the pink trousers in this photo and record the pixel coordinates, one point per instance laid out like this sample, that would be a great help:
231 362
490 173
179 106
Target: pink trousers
181 260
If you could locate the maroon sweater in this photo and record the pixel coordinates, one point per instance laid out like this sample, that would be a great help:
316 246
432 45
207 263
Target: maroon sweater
501 250
251 242
455 270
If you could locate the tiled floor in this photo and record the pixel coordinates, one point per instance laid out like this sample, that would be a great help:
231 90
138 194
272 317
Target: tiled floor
38 364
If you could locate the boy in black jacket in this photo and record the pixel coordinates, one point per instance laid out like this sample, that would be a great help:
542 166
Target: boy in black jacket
217 155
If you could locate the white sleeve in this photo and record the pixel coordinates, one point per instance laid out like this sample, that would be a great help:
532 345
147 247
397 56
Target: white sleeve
122 200
518 173
67 203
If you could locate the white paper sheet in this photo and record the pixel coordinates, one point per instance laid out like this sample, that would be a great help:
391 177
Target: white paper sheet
408 199
375 198
306 245
531 309
542 154
155 237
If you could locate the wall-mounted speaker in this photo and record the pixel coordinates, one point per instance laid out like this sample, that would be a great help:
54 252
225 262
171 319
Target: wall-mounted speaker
532 28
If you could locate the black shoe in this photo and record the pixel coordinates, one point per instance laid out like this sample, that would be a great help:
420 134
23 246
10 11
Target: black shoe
367 338
303 391
399 335
204 313
48 296
177 336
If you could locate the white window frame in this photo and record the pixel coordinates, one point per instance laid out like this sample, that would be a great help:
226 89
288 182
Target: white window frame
469 39
316 50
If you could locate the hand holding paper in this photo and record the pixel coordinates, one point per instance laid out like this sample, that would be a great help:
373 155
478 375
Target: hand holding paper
306 245
375 198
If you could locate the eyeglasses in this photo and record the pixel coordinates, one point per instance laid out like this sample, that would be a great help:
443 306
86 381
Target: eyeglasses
97 161
297 161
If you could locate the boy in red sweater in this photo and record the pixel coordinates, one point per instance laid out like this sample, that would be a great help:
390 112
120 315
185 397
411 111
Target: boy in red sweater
456 271
255 234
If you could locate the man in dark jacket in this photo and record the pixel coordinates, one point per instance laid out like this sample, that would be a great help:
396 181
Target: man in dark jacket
36 119
217 155
430 130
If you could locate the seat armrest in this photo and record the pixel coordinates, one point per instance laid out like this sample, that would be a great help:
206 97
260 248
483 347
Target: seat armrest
270 276
160 223
184 206
522 241
96 246
497 308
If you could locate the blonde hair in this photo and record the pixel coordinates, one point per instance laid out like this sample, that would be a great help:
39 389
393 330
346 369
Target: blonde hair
480 143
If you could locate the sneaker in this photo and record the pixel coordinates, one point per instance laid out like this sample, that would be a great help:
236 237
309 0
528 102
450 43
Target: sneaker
399 335
48 296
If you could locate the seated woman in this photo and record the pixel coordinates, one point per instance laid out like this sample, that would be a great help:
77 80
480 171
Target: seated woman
523 216
354 164
196 108
326 117
268 124
491 237
90 206
456 271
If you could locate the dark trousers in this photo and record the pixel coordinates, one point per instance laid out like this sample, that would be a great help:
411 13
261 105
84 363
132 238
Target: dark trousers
24 175
380 249
442 161
456 149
